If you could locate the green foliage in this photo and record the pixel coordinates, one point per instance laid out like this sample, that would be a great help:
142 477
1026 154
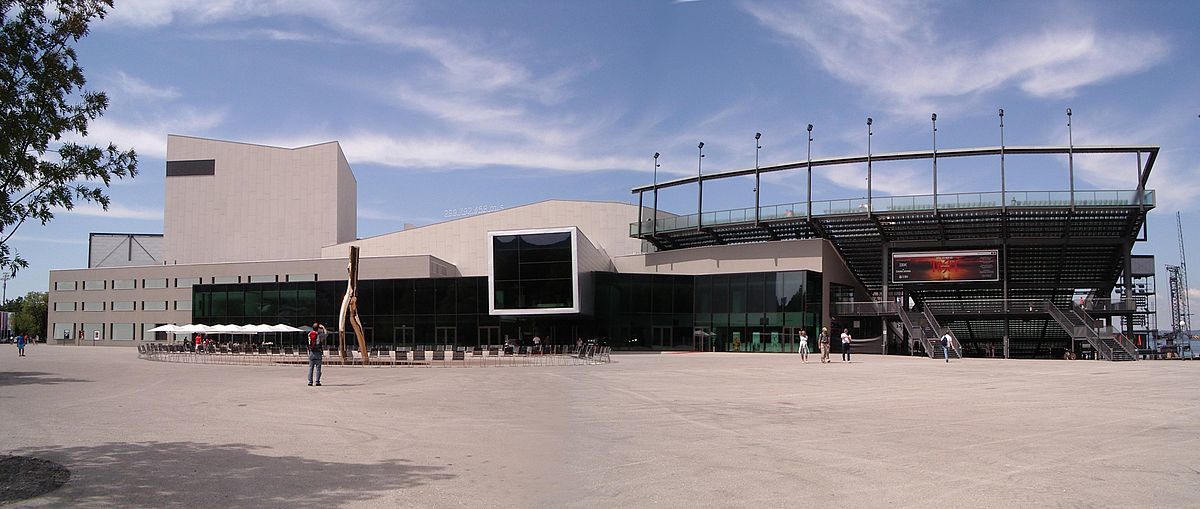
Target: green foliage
30 318
43 105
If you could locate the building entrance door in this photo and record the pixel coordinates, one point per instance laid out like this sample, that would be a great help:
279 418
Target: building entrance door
791 340
402 336
489 336
446 336
661 337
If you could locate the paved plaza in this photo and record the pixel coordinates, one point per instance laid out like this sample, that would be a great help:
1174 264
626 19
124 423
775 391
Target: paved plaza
671 430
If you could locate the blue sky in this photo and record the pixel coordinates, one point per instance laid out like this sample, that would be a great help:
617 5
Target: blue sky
448 105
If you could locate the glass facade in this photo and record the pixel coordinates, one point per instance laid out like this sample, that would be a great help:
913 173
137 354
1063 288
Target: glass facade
533 271
754 312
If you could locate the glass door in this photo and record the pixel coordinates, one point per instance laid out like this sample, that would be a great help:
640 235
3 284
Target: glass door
446 336
403 336
661 337
489 336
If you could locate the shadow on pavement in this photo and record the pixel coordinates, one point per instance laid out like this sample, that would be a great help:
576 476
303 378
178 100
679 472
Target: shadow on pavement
33 378
189 474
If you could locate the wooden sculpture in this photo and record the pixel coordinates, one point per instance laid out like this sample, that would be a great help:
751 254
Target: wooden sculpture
350 306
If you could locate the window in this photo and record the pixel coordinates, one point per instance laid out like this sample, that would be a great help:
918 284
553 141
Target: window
152 336
64 306
95 305
221 280
301 277
93 331
62 331
122 332
183 305
264 279
154 305
122 305
533 271
186 282
93 285
154 283
65 286
124 284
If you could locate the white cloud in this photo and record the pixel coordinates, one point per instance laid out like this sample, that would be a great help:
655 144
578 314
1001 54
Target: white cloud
138 89
149 136
445 153
896 51
115 211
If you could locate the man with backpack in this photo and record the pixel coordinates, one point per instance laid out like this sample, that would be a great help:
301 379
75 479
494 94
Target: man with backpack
946 346
316 338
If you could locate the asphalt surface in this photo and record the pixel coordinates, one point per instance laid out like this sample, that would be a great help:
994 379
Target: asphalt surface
672 430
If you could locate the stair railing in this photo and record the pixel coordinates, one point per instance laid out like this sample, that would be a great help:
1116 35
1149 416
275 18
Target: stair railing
941 331
1077 331
915 330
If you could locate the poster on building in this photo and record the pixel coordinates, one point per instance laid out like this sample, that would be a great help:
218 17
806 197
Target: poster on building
945 266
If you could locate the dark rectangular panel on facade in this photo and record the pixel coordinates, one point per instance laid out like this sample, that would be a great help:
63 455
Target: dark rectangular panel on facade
190 168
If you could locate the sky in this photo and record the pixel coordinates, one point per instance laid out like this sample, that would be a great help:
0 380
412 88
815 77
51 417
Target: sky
444 106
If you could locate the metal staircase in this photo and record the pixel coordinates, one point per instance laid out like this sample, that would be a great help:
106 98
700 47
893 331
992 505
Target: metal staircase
1109 345
925 328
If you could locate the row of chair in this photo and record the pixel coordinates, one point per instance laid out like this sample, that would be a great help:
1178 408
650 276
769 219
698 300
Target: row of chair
548 355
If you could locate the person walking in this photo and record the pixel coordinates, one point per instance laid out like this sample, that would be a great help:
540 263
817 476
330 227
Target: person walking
20 345
946 346
846 338
803 346
316 338
823 343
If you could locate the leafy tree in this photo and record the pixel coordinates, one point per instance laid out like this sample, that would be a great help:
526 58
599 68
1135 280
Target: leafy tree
30 319
43 105
13 305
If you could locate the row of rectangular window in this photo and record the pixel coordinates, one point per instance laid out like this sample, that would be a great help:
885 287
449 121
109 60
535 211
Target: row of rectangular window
123 305
103 331
182 282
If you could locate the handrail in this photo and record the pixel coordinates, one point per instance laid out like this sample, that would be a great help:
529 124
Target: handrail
1126 344
858 205
915 329
1089 334
941 331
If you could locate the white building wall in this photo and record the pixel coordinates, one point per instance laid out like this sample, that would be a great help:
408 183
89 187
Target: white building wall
464 242
260 203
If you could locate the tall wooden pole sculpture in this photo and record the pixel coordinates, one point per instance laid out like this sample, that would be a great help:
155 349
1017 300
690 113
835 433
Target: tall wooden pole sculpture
350 306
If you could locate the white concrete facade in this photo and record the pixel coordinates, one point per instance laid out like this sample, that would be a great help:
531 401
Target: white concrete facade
259 203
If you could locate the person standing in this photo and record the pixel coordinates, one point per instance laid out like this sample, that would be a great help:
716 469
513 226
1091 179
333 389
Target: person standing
803 346
846 338
823 342
315 353
946 346
20 345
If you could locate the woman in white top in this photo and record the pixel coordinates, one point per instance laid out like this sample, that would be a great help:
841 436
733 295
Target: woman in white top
803 349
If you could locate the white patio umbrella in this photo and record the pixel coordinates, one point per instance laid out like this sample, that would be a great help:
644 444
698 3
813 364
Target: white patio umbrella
170 327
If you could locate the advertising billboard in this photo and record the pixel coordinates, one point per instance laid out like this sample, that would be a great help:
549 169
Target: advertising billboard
946 266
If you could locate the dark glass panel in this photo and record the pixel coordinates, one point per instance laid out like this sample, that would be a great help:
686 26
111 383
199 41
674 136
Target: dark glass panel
446 296
720 293
755 288
425 296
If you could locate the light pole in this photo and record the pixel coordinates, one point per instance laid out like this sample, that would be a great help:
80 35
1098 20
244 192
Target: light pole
934 118
654 223
8 274
1071 159
757 182
1003 189
809 197
869 134
700 187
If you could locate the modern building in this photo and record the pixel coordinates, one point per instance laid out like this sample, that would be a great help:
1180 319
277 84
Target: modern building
257 234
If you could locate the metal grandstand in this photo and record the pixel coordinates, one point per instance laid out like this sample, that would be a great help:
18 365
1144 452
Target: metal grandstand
1051 245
